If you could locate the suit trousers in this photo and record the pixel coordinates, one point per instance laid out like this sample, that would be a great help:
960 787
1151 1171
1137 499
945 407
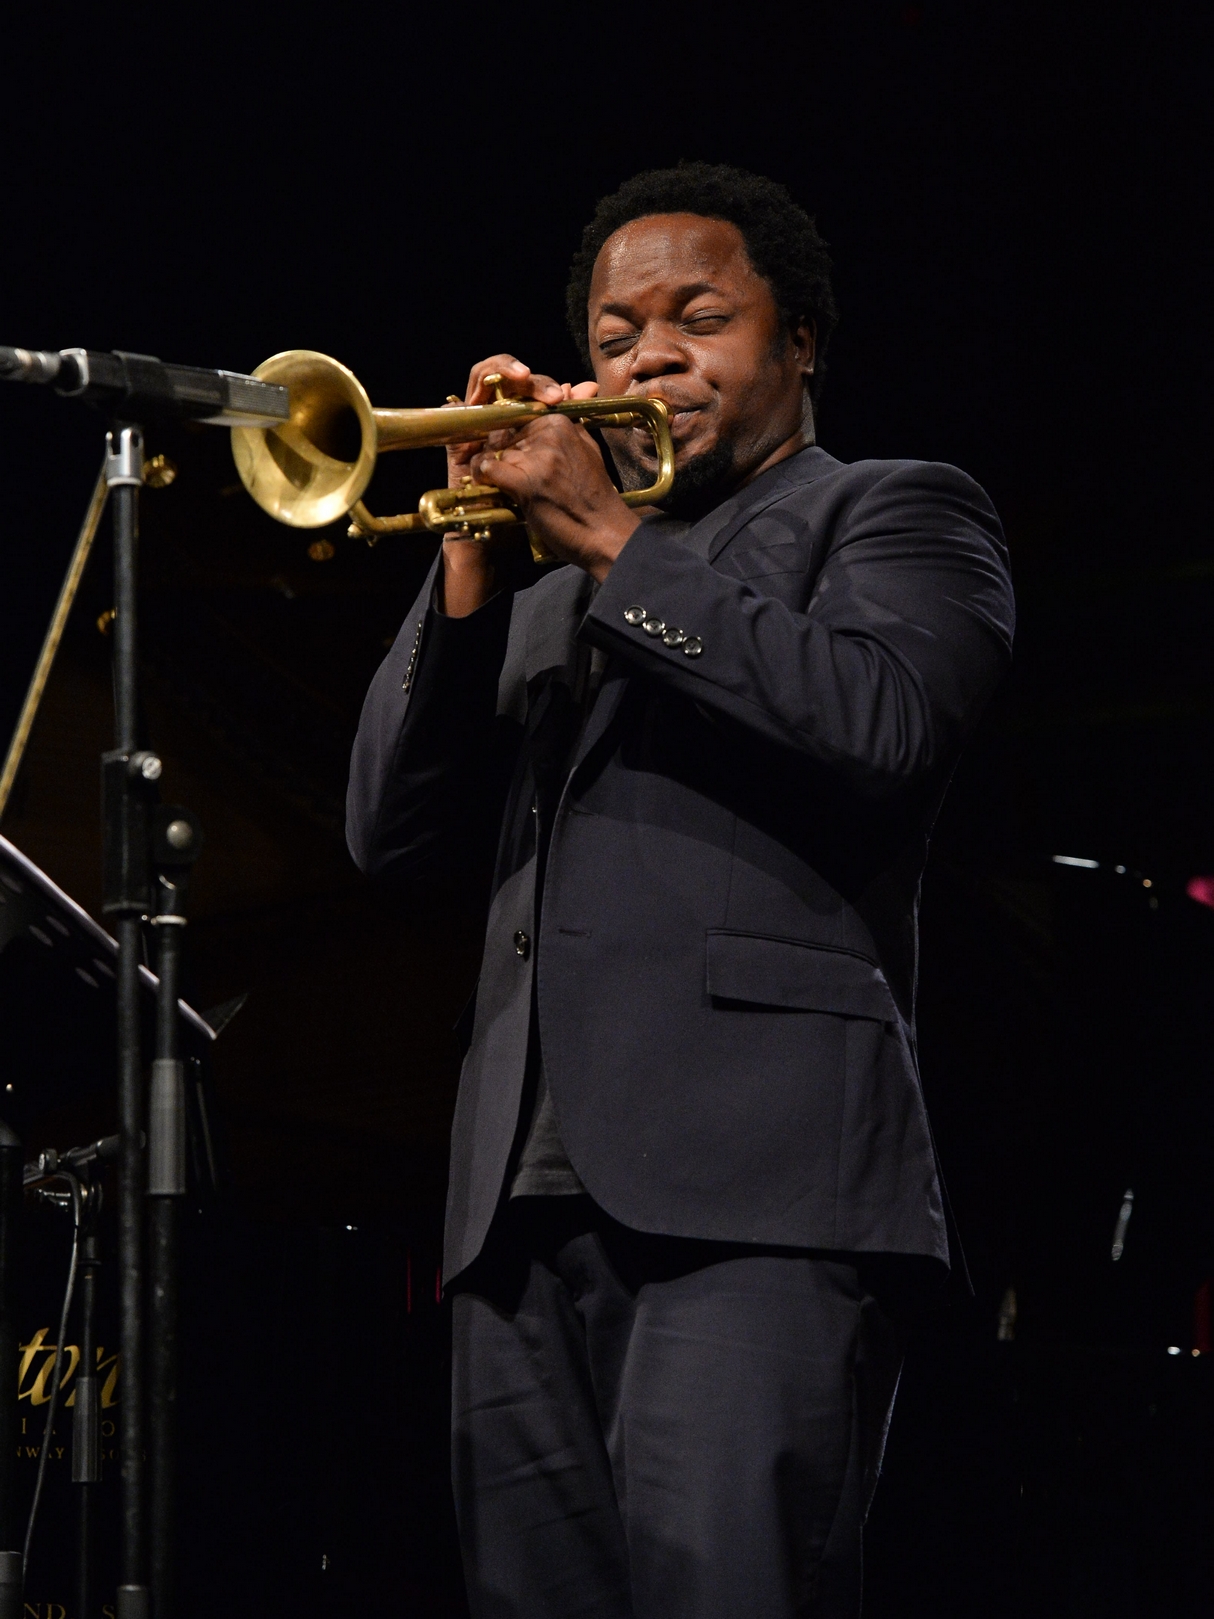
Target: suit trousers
649 1427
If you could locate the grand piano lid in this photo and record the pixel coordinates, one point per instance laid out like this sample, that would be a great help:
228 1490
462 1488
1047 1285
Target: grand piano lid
32 905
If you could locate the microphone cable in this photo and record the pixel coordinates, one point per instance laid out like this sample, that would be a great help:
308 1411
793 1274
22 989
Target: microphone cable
53 1407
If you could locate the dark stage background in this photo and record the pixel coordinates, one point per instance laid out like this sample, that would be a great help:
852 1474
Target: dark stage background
1017 199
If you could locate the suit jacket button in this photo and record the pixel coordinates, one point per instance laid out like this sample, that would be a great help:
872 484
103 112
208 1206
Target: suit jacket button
653 626
673 637
522 944
692 646
635 615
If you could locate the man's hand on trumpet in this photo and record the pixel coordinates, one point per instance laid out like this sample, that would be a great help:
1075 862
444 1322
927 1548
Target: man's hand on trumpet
552 469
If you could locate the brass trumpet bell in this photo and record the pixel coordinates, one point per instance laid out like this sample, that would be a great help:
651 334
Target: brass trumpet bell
315 468
310 470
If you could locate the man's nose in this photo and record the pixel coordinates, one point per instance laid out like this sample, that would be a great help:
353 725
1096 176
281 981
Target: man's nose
658 352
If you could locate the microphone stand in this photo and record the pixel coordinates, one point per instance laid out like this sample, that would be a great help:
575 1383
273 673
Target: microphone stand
76 1166
138 833
141 840
128 775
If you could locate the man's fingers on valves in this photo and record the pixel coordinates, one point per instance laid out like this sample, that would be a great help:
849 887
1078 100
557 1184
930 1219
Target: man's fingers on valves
512 372
517 381
539 441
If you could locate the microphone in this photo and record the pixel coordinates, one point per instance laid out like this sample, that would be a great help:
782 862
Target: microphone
143 385
48 1163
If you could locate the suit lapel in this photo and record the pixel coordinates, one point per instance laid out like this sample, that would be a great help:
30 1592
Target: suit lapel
606 706
552 622
554 614
709 537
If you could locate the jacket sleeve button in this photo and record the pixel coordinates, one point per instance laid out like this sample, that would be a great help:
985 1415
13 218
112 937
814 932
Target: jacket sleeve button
635 615
522 944
673 637
654 626
692 646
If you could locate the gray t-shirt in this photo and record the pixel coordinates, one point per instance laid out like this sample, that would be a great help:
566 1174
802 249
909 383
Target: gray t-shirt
544 1169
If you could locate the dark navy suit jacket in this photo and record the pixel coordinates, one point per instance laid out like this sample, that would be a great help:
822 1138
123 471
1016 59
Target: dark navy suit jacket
726 953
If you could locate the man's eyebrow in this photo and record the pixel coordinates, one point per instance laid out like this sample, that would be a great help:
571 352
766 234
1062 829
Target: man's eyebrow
685 294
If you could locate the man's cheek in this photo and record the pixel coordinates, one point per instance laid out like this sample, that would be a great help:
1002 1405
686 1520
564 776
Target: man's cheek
703 434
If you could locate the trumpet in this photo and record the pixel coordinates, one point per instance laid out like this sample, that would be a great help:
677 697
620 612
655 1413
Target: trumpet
314 469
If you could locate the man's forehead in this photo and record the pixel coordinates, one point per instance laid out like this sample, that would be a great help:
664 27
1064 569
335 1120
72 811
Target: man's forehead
678 252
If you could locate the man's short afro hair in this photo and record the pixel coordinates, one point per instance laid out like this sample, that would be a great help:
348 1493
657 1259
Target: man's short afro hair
781 239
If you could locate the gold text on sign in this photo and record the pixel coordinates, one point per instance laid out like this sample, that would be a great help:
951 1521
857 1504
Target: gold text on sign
37 1365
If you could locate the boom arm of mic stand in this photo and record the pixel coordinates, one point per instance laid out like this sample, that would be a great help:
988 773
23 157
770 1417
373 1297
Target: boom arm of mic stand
142 385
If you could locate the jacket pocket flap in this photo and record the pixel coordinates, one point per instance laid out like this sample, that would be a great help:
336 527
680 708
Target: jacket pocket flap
790 972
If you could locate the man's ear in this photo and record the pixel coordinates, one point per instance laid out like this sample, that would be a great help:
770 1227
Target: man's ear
805 344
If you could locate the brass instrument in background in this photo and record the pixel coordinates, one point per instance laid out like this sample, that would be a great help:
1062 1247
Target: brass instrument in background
314 468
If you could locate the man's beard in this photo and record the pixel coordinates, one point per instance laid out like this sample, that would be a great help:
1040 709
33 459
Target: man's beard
701 483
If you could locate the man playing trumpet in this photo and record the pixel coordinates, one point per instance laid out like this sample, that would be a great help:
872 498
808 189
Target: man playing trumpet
702 760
